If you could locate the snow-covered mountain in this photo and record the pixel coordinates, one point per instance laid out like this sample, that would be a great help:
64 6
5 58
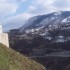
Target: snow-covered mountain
54 18
56 24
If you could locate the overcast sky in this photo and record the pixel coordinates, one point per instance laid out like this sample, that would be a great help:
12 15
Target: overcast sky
13 13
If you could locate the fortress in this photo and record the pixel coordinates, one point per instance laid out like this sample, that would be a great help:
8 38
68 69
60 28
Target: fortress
4 37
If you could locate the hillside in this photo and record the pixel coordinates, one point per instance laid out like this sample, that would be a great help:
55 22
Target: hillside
11 60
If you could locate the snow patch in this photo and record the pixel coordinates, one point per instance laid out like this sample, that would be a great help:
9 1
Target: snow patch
66 19
58 13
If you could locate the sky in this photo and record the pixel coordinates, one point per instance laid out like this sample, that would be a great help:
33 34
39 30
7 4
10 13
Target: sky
14 13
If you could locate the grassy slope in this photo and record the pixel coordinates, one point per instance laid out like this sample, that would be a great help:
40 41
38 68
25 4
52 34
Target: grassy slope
11 60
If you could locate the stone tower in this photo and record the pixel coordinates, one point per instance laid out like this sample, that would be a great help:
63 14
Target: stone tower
4 37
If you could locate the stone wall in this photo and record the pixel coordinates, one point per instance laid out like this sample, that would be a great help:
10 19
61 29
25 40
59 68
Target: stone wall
4 39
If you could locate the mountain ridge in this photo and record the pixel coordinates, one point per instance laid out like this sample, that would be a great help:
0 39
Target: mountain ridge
42 20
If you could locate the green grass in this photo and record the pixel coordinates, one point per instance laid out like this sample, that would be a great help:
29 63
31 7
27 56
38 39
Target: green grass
12 60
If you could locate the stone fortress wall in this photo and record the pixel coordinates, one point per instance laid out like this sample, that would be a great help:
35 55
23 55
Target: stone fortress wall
4 37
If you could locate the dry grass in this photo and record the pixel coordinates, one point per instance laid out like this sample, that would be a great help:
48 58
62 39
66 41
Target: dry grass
11 60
